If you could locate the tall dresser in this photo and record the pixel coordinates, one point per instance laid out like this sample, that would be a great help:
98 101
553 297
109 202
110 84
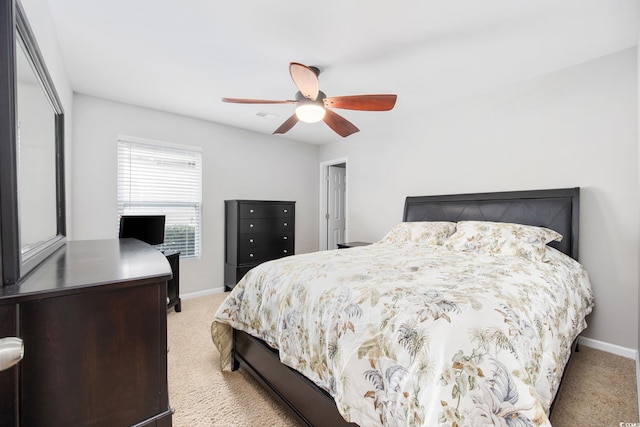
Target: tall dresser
256 231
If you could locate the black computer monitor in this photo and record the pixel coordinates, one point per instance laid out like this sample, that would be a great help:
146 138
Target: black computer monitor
148 228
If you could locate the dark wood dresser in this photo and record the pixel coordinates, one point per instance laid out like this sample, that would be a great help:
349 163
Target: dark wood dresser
256 231
93 319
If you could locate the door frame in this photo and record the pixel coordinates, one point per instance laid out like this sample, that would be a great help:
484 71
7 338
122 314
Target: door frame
324 190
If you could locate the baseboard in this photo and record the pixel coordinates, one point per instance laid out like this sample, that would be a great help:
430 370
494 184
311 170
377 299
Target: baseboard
638 379
202 293
629 353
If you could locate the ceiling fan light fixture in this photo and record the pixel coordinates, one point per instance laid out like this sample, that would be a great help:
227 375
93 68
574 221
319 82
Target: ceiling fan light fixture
310 112
314 106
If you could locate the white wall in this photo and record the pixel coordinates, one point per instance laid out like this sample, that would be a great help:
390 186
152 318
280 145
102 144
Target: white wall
575 127
237 164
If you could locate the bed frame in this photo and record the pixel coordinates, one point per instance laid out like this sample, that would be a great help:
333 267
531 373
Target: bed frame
555 209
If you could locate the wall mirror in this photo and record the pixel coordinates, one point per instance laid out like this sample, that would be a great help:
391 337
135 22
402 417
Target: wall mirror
32 215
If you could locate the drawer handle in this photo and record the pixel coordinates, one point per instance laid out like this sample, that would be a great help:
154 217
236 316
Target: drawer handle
285 211
251 211
285 224
250 225
250 240
250 255
285 251
285 237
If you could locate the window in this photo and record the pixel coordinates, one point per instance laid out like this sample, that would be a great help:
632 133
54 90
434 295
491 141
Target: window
158 178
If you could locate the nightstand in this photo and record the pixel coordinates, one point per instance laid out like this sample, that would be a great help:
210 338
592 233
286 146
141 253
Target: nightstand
347 245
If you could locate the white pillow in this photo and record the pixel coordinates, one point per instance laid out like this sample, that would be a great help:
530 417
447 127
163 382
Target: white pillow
502 238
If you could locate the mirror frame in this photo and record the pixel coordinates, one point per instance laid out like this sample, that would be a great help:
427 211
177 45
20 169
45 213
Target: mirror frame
14 265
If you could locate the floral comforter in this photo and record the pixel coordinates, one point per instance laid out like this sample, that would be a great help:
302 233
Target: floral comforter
410 336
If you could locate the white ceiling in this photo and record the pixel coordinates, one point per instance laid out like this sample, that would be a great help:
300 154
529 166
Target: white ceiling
184 56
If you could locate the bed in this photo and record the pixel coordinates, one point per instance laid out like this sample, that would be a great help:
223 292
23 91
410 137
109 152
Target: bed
435 324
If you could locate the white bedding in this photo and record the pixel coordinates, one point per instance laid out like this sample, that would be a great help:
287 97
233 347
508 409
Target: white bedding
418 334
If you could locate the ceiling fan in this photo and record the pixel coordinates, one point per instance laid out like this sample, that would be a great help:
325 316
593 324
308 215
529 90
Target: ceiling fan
313 103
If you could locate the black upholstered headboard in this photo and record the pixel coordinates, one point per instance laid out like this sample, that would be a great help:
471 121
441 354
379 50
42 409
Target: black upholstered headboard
555 209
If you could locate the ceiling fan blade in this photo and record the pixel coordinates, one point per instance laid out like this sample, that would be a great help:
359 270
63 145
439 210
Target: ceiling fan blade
339 124
257 101
287 125
305 79
362 102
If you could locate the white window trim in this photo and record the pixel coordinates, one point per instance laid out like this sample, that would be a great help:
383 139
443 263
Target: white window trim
135 139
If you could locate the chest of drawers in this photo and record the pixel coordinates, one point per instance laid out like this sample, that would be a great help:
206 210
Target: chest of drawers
256 231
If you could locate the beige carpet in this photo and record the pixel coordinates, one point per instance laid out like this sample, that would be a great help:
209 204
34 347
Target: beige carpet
600 388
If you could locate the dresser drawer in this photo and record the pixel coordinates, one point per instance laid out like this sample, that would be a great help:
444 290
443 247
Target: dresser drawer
262 225
263 210
257 255
261 240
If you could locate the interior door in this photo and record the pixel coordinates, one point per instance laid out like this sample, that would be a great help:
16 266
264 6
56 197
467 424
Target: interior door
336 223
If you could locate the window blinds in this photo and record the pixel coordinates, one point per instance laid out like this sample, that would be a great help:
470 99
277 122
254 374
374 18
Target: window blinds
163 179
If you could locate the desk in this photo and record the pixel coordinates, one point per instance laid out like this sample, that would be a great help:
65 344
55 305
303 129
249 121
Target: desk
173 285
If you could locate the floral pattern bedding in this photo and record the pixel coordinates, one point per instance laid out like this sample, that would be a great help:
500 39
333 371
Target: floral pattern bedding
418 335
